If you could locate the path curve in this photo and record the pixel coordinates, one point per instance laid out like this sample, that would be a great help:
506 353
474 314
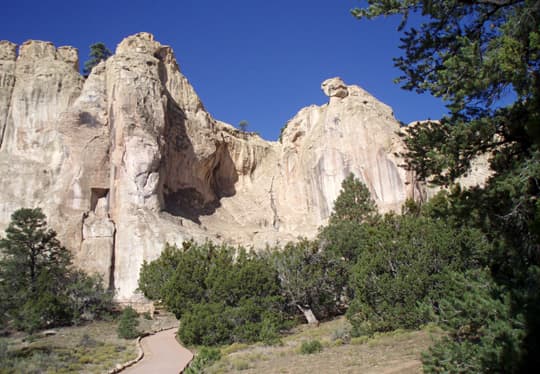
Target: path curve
162 354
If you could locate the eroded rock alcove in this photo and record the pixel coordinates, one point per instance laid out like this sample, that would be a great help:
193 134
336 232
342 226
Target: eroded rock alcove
129 159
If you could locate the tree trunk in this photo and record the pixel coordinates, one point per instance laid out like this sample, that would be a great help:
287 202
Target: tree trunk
308 313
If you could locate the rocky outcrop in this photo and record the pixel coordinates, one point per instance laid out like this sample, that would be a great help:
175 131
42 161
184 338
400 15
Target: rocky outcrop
129 158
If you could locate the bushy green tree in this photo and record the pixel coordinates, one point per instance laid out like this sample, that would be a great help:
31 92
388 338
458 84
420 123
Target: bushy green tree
128 323
216 323
155 275
98 52
405 262
313 280
471 54
345 233
187 286
221 294
243 125
484 335
33 271
38 285
87 299
354 203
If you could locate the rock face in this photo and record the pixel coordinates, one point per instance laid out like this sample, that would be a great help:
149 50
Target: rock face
129 158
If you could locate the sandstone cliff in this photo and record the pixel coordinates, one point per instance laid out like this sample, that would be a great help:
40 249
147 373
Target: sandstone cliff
129 158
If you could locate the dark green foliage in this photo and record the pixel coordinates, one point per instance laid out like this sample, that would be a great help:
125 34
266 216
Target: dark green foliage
154 275
98 52
87 298
354 203
311 278
187 285
310 347
344 233
205 357
472 53
217 323
344 239
220 293
4 352
206 324
406 261
467 52
37 284
128 323
484 336
243 125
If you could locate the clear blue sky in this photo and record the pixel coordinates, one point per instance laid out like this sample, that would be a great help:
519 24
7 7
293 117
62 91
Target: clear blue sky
259 61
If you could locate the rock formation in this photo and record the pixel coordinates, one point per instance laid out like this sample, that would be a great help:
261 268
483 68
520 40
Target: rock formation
129 158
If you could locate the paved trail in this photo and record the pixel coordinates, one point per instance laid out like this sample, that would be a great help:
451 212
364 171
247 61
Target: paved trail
162 354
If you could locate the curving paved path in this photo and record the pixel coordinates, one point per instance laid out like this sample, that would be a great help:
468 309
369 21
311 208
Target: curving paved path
162 354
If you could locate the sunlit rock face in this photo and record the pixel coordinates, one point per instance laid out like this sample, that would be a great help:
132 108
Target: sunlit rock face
129 159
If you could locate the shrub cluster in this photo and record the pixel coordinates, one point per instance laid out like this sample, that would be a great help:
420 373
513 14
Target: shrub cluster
220 293
206 356
310 347
128 323
389 272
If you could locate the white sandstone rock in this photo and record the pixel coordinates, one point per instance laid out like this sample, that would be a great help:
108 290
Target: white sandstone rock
129 158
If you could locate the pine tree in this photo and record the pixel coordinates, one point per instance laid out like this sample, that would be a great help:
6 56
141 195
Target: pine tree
483 334
38 287
345 233
472 54
33 270
243 125
98 52
354 202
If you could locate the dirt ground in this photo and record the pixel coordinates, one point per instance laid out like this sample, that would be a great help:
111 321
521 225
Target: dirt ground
392 353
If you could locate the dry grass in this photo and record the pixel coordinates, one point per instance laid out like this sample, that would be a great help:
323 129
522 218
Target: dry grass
396 352
91 348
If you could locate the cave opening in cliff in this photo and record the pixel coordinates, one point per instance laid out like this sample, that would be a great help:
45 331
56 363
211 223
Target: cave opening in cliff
194 199
97 193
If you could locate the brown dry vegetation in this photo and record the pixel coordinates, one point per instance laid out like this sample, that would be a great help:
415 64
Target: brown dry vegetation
396 352
92 348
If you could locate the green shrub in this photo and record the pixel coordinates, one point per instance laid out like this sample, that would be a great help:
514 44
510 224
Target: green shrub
269 330
127 326
310 347
311 278
482 336
204 358
342 333
406 264
221 294
205 324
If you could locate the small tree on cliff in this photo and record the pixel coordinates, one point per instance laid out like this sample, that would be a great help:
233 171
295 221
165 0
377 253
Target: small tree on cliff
98 52
243 125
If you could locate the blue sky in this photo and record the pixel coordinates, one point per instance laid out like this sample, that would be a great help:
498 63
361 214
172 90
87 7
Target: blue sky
259 61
